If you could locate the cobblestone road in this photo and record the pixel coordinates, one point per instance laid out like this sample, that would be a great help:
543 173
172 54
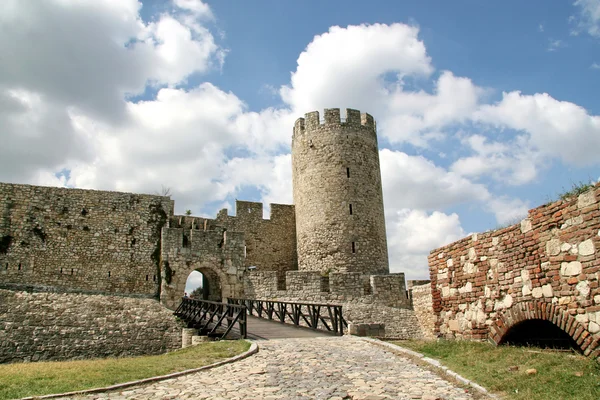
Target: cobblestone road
316 368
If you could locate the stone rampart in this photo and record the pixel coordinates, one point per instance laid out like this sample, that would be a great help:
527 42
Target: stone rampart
383 300
270 243
52 326
80 240
547 267
218 254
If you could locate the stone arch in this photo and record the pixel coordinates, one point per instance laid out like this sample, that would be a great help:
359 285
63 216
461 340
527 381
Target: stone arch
532 310
219 283
212 285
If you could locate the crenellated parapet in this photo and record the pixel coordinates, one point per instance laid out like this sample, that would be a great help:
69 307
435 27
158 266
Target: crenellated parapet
354 119
386 290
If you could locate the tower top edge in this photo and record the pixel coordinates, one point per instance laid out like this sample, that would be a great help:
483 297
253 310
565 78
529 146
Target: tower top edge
332 116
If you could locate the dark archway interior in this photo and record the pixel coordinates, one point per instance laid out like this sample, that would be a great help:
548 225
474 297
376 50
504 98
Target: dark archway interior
210 288
538 333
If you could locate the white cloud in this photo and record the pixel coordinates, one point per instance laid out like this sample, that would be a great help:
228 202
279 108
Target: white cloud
415 182
417 117
588 18
79 60
511 162
541 28
344 66
508 210
555 44
197 7
595 66
412 234
556 128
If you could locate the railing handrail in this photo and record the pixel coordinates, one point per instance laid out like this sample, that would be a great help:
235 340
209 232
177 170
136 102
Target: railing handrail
287 302
311 317
202 313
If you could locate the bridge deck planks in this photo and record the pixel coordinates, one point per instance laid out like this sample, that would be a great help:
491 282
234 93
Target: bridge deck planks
262 329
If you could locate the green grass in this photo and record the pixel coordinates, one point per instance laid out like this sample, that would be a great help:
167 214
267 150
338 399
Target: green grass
488 365
36 379
576 189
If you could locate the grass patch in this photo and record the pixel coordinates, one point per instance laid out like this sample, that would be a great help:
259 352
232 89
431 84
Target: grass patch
36 379
560 375
576 189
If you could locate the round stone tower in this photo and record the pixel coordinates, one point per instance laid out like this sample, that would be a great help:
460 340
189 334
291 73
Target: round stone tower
340 224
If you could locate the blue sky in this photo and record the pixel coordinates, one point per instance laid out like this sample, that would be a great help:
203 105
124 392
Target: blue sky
484 109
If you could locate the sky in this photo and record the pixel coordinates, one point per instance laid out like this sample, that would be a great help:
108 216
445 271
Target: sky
484 109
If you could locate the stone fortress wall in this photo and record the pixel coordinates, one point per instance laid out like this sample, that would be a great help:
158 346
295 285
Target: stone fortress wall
223 248
60 326
547 267
340 221
81 240
330 247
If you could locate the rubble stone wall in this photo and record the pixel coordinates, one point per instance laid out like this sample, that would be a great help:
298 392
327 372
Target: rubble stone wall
382 300
218 254
546 267
53 326
422 303
77 239
340 221
270 243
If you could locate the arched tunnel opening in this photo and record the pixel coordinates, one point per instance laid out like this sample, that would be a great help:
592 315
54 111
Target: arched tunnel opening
539 333
203 284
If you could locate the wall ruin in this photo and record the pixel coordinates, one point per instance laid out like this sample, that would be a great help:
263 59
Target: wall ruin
547 267
55 326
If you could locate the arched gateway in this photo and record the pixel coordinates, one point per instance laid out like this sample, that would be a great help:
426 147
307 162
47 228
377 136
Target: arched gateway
539 323
217 254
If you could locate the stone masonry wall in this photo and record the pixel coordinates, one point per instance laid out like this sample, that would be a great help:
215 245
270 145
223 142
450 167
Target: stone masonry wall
375 299
52 326
218 254
84 240
340 221
423 305
270 243
546 267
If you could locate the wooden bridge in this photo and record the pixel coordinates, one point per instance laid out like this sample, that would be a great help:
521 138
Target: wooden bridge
261 319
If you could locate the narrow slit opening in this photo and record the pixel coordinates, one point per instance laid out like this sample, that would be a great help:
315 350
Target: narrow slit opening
350 207
353 247
348 172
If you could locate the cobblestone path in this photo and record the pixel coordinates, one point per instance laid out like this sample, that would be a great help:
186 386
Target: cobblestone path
308 368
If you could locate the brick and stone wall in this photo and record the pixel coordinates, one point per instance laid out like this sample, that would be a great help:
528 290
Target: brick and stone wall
55 326
77 239
546 267
340 222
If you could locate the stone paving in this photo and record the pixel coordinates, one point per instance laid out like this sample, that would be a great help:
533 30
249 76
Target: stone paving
316 368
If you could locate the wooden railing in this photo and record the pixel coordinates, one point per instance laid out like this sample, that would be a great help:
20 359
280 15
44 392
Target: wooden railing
212 318
322 317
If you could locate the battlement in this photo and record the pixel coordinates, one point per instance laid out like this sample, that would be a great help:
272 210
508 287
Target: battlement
252 210
388 290
332 116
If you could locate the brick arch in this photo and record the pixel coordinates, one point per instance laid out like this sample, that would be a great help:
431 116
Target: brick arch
536 310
